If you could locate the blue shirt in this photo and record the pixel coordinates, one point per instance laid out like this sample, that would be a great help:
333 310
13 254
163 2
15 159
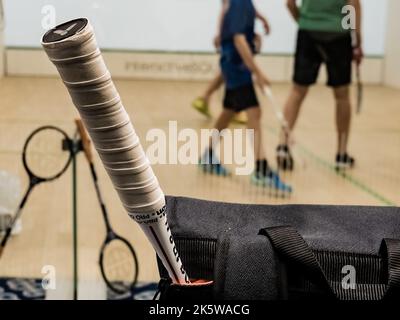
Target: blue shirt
239 19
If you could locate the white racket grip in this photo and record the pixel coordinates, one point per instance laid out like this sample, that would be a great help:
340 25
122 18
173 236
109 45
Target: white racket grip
83 71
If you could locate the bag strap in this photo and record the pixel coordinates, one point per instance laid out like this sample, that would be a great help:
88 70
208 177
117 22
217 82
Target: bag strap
290 245
390 251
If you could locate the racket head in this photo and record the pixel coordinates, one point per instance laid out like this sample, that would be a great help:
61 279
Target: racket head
44 156
118 264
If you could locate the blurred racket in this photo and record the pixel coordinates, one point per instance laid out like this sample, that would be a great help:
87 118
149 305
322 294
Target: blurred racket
118 262
46 156
360 89
283 124
277 110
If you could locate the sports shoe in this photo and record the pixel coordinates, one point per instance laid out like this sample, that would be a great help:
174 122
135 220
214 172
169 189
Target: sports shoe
344 162
213 165
215 169
284 158
272 181
201 105
240 118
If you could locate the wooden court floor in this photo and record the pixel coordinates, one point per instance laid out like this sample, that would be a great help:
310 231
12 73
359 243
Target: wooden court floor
27 103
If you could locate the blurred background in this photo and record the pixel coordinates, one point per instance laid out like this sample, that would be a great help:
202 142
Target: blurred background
161 55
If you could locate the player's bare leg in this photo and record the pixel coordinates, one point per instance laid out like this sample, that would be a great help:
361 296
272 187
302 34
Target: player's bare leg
202 103
291 112
254 123
224 119
343 122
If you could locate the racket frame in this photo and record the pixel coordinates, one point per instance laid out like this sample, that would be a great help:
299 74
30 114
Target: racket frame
34 180
111 234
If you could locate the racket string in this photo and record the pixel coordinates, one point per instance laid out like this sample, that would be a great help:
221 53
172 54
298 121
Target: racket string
44 154
119 264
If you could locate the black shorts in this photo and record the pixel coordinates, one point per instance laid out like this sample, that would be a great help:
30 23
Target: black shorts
315 48
241 98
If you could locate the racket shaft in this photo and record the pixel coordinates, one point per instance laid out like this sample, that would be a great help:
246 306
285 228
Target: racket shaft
99 196
359 89
82 68
14 220
9 229
113 236
5 240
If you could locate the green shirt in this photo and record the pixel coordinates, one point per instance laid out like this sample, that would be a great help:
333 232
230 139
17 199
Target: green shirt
322 15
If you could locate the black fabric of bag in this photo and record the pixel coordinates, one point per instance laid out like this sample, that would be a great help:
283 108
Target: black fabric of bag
261 252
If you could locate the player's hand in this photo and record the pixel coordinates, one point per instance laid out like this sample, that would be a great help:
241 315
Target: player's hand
258 41
267 27
217 42
358 55
262 80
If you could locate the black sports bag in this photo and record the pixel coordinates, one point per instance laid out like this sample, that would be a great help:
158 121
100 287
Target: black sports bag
261 252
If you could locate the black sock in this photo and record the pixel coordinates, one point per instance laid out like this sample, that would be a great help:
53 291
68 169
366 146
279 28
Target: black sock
208 155
262 167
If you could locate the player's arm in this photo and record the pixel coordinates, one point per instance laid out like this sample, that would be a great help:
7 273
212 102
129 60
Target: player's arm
264 21
217 38
358 52
247 56
293 9
357 6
